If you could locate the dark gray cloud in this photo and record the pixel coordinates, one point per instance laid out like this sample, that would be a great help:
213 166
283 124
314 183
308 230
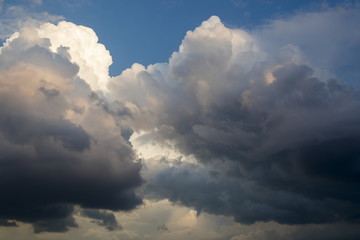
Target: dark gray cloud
102 218
278 132
162 228
7 223
59 148
245 200
311 231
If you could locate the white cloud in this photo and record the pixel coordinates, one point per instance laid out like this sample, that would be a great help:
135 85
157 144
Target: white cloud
82 45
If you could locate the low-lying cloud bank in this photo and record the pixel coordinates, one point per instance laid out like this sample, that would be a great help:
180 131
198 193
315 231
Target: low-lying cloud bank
271 116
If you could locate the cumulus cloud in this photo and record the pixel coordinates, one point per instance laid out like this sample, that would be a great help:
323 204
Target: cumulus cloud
81 43
276 128
60 149
273 128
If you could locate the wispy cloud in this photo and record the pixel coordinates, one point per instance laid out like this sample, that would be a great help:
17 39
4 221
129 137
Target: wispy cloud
14 17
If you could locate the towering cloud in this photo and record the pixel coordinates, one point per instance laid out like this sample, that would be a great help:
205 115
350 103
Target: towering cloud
276 128
269 116
60 148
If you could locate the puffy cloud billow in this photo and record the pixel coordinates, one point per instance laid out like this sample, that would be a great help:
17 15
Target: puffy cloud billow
59 147
276 128
270 115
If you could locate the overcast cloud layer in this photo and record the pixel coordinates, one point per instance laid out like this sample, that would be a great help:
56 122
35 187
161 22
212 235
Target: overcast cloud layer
271 117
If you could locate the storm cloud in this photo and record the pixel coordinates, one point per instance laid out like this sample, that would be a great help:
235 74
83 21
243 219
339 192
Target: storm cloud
59 148
102 218
269 116
275 129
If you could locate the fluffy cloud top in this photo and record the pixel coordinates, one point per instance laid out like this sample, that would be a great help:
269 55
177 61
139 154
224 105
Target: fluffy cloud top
278 132
81 43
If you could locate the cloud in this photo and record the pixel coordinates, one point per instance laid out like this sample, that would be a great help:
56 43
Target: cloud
273 128
14 17
199 188
81 43
60 149
162 227
106 219
321 232
276 130
7 223
328 40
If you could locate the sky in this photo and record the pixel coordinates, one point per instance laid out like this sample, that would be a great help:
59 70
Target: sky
177 119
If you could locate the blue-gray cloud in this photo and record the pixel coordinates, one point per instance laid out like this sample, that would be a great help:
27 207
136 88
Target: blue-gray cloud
260 111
